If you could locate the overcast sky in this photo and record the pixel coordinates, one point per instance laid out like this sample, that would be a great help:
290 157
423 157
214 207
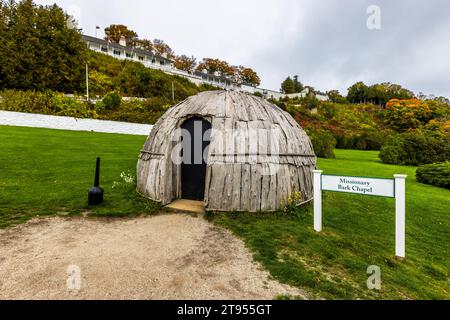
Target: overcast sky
326 42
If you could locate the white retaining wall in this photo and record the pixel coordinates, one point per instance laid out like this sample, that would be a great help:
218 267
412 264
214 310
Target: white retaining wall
10 118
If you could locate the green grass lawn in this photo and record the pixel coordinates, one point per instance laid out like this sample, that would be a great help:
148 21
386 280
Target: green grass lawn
359 231
45 172
48 172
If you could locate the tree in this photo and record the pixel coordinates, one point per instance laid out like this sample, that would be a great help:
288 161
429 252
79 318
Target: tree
298 86
404 115
144 44
292 85
336 97
185 63
421 96
288 86
358 92
246 76
379 93
115 32
163 49
39 50
443 100
216 65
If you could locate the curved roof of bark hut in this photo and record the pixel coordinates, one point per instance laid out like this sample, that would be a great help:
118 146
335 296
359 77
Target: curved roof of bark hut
258 156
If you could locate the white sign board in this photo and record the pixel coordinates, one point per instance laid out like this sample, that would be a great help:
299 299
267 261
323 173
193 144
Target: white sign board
392 188
366 186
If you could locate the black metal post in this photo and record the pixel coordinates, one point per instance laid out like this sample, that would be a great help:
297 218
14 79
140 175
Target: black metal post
95 196
97 174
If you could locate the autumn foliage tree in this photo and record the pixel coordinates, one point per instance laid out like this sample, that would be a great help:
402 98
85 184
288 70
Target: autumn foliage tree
402 115
216 65
163 49
144 44
185 63
247 76
415 114
115 32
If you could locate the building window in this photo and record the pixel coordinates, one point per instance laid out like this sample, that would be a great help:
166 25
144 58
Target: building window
129 55
117 52
104 49
153 60
141 58
161 62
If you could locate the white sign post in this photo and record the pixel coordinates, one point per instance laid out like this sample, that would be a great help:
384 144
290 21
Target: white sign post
400 216
392 188
318 200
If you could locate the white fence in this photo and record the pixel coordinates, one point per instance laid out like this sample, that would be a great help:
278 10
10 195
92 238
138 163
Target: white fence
10 118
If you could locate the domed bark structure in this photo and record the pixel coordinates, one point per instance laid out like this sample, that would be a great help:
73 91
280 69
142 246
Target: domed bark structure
234 151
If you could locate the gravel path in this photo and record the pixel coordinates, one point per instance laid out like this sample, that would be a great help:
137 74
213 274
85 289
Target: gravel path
172 256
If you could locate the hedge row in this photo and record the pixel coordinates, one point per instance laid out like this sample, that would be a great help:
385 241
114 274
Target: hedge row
111 107
47 102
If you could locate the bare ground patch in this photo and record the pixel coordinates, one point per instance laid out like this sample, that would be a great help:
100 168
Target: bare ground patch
163 257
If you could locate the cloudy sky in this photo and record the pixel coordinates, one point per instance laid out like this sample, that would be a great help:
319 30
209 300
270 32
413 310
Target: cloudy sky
326 42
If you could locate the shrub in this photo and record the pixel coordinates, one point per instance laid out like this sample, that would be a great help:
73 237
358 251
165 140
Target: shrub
436 174
415 148
310 102
111 100
70 107
24 101
328 110
136 110
345 141
47 102
371 140
324 143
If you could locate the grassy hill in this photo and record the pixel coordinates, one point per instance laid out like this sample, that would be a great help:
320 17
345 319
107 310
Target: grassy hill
109 76
133 79
48 172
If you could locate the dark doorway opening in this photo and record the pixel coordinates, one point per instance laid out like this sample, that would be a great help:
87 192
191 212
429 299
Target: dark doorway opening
196 134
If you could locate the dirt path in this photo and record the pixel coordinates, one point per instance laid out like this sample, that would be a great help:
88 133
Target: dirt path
163 257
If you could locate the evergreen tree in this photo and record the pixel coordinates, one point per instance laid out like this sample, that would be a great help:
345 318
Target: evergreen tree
288 86
298 86
40 50
292 85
